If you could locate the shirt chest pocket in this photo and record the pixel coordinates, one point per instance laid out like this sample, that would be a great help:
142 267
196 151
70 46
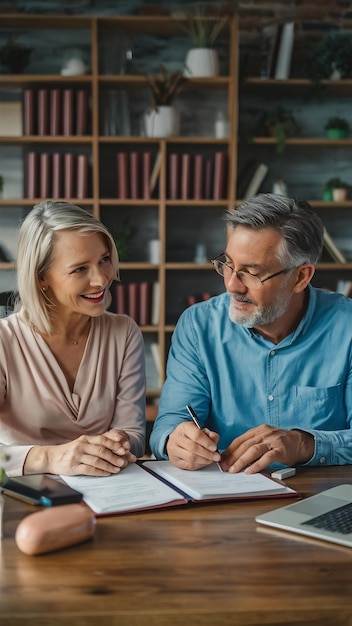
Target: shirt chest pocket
320 407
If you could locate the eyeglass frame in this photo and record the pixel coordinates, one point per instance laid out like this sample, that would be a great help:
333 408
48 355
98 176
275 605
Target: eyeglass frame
240 273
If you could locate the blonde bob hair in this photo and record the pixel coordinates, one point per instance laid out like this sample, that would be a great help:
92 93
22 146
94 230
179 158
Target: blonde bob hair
35 254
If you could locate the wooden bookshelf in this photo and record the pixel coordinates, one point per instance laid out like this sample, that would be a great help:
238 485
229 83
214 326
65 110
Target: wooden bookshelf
158 217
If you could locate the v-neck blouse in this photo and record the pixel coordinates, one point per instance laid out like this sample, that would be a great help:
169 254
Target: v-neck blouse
36 404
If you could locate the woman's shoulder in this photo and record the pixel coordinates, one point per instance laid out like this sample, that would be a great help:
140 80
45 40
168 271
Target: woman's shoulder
10 325
110 322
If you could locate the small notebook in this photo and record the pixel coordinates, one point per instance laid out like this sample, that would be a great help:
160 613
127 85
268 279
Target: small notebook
328 516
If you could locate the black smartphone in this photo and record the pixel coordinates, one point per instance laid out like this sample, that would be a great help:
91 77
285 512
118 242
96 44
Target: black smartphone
40 489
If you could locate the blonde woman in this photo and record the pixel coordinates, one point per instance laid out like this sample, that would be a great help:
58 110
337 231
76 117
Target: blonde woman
72 375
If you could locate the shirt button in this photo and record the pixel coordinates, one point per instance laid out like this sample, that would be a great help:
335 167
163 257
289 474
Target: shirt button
322 459
270 397
273 352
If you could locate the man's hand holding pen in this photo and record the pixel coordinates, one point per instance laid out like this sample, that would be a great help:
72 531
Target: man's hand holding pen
192 448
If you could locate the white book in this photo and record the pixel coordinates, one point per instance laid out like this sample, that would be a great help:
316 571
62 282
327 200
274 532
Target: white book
332 248
284 58
155 350
256 181
155 317
11 119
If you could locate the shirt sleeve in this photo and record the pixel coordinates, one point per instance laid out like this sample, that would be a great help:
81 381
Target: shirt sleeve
186 383
16 458
331 447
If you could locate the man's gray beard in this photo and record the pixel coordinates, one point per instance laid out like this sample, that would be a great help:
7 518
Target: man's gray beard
262 316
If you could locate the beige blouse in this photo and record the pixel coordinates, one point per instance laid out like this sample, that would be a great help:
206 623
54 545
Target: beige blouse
36 404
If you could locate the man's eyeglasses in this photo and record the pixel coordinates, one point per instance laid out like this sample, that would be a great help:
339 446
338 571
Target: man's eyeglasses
249 280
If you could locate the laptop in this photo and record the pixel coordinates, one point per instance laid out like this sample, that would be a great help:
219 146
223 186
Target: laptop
328 516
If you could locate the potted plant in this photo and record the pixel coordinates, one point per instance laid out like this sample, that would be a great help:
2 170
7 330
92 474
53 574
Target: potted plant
335 190
278 123
202 59
123 239
161 118
14 57
331 57
337 128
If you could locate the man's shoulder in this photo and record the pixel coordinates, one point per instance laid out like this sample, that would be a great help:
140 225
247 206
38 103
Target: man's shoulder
332 300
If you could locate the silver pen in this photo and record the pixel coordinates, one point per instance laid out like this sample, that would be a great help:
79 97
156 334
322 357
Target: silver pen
196 422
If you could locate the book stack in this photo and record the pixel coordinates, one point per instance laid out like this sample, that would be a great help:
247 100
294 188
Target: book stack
138 300
136 179
197 177
56 175
55 111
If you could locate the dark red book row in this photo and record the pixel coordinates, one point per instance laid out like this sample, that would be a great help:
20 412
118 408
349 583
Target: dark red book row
57 175
197 177
194 298
139 301
55 112
136 177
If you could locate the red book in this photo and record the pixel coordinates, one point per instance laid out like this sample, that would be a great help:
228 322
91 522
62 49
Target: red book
43 112
44 175
134 175
69 175
31 186
146 171
55 112
121 299
185 176
208 176
29 126
122 176
81 122
67 112
198 177
133 300
219 183
174 176
145 303
191 300
57 169
82 176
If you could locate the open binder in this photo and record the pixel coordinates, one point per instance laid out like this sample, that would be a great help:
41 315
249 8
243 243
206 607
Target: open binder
159 484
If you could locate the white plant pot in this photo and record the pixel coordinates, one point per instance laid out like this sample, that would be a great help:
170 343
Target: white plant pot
339 194
201 62
162 122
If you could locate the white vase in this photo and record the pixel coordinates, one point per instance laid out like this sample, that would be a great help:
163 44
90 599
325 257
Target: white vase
201 62
162 122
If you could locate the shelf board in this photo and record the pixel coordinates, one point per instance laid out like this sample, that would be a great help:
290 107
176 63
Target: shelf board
21 80
168 140
31 201
188 266
305 141
298 85
331 266
134 80
57 139
33 21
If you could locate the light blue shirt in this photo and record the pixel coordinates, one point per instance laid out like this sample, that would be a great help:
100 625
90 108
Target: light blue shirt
236 379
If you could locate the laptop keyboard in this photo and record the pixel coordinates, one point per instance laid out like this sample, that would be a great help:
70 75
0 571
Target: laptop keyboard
337 521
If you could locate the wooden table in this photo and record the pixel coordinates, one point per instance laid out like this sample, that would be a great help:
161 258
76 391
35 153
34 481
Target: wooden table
207 564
